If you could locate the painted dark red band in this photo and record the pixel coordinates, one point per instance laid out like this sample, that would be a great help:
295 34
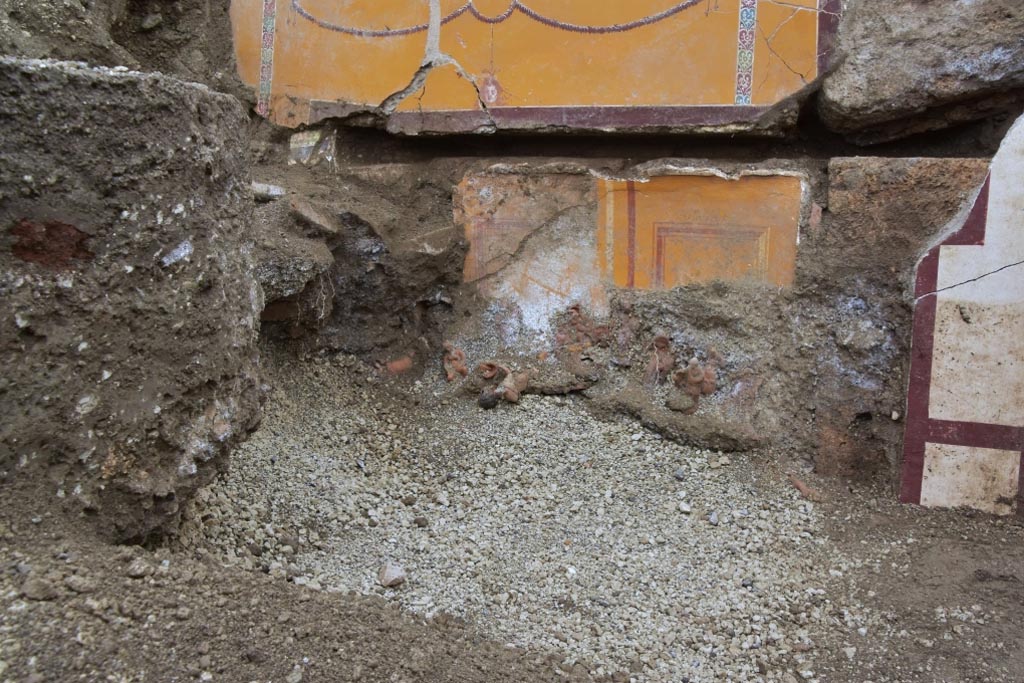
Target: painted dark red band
631 239
923 336
973 231
829 14
979 434
1020 487
578 118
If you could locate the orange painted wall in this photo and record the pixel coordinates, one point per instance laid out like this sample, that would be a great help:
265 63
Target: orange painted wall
679 230
687 59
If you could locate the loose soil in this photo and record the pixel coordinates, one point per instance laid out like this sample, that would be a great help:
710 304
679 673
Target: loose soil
861 589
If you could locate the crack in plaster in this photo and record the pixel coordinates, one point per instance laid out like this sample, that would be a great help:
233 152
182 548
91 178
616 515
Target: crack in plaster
550 222
433 58
801 8
967 282
768 43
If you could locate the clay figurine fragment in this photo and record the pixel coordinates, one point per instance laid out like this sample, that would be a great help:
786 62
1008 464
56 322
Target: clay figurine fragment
511 385
695 381
454 362
662 362
806 491
579 331
710 382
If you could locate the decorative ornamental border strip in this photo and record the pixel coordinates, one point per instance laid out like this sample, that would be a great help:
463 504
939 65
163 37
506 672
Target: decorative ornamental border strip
745 41
266 56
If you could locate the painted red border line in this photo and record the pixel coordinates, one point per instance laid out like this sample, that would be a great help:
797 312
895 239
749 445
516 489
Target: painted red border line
922 344
631 240
1020 487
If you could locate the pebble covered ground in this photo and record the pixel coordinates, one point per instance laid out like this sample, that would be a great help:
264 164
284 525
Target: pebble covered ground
549 529
603 552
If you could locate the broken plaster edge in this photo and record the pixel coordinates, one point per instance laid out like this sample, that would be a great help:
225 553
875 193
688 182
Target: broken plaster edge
952 226
643 173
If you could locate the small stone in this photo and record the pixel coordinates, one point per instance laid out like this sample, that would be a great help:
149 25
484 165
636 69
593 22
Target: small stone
36 588
409 500
295 676
421 522
850 652
685 508
138 569
895 416
265 192
680 474
151 21
713 518
487 399
391 575
80 584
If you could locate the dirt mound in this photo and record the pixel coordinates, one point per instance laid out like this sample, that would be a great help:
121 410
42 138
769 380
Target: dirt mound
126 274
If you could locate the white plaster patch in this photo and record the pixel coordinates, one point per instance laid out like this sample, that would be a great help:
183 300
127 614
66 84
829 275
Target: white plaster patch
978 358
86 405
182 251
550 276
967 476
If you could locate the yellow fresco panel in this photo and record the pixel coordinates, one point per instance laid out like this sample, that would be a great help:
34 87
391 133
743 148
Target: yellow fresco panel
561 62
680 230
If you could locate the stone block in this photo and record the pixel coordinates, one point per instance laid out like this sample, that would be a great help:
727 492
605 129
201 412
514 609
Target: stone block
912 67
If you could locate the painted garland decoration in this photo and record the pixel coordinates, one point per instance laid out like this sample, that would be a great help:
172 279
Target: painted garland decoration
515 6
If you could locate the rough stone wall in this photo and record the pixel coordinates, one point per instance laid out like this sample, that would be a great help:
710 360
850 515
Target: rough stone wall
909 67
129 304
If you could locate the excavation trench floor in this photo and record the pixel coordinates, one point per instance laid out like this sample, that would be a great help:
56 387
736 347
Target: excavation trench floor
632 556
